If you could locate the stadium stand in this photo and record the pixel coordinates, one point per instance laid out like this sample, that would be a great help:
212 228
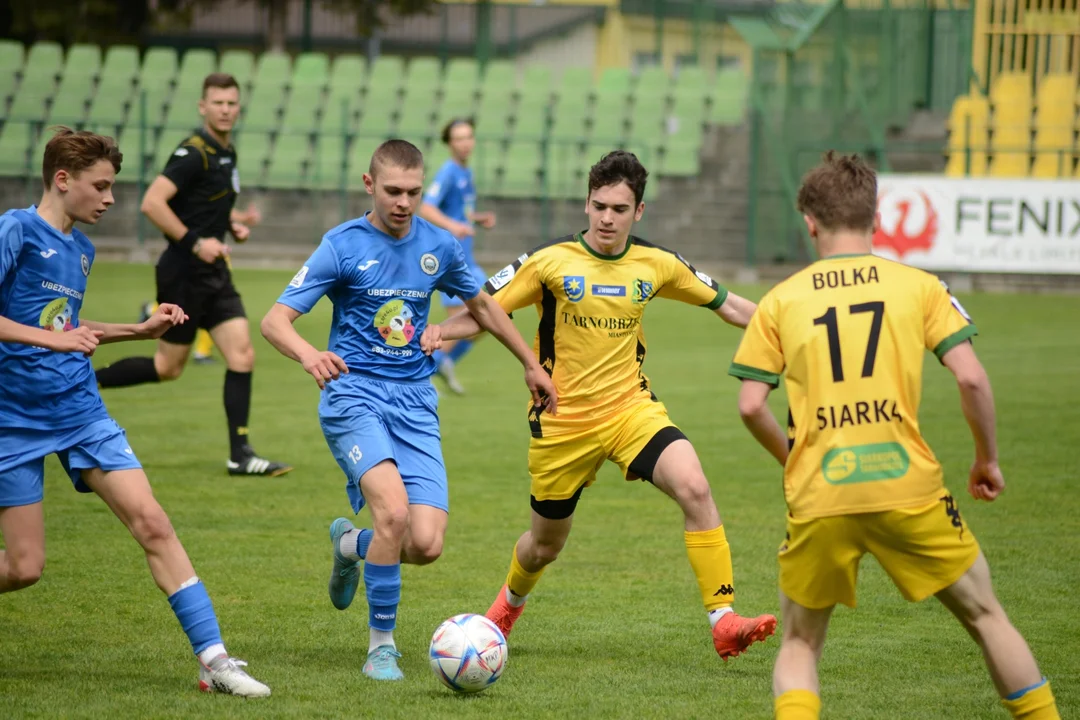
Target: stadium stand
312 123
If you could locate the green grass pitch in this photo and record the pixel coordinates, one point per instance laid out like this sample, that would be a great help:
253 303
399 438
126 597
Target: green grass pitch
615 629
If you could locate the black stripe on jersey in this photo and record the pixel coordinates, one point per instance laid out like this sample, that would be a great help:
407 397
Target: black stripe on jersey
641 375
790 430
545 335
721 294
504 276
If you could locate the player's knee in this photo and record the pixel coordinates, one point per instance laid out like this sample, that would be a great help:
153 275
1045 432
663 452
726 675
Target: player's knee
151 526
242 359
427 550
694 493
392 522
25 571
167 369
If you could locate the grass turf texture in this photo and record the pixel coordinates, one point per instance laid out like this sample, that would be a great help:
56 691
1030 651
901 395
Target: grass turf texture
615 629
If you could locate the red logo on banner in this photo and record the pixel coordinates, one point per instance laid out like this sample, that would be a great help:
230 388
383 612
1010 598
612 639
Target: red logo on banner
901 239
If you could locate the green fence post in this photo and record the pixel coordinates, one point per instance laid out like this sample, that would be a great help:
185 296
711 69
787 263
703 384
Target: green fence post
483 33
305 38
444 30
753 171
698 24
140 182
658 22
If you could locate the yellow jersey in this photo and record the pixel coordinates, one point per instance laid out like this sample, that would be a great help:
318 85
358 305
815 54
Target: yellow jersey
590 339
848 333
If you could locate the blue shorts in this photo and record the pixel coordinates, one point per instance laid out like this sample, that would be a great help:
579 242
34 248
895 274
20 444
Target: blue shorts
100 444
366 420
478 273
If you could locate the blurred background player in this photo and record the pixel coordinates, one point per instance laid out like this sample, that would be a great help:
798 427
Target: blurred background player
50 404
848 333
379 412
591 290
203 350
191 202
450 203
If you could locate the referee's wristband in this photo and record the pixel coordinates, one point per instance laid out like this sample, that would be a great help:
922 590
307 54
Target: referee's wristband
188 241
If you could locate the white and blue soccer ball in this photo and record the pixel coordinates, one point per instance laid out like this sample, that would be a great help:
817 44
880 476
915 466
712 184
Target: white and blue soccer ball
468 653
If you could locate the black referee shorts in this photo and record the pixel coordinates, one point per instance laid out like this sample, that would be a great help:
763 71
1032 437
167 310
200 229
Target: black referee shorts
207 295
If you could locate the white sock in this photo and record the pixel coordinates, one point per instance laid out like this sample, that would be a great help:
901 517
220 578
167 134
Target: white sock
347 545
381 637
211 652
715 615
515 600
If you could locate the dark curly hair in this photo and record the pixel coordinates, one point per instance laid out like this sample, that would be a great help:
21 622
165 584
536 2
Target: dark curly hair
616 167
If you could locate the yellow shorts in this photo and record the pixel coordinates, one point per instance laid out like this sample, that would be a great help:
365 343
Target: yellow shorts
563 465
924 550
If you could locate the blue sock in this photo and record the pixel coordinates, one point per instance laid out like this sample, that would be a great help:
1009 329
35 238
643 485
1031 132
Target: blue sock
438 356
195 612
460 350
363 540
383 586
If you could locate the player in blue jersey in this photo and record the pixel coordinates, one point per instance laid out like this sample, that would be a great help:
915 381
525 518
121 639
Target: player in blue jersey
49 401
450 203
378 406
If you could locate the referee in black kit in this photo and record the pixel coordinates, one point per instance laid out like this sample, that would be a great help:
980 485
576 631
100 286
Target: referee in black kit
192 203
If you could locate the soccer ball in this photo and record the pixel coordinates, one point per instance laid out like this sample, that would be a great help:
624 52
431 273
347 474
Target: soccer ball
468 653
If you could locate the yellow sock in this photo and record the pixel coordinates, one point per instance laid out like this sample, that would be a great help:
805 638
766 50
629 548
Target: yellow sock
797 705
710 558
519 580
1035 704
204 344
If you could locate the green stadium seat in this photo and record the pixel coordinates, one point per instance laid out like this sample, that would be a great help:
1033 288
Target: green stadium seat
159 65
462 77
16 139
520 176
253 150
376 120
29 103
166 145
456 105
83 63
273 71
500 78
240 64
37 155
681 159
563 171
437 154
134 161
537 79
423 73
387 73
415 123
610 110
729 97
648 119
348 73
653 82
157 95
328 166
8 81
196 64
614 81
70 104
110 102
121 64
690 80
487 161
360 153
311 69
531 114
569 125
575 85
339 112
301 112
287 163
43 63
689 111
11 56
494 113
183 112
268 93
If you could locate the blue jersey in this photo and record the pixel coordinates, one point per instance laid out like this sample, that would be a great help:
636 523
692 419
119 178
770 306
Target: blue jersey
43 276
381 290
454 194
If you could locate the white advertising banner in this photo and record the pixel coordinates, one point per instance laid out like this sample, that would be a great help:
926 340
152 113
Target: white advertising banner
975 225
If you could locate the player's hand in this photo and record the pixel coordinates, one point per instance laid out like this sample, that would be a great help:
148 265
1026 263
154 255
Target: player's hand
81 339
251 217
485 220
542 389
461 230
431 339
986 481
324 366
240 231
210 249
166 317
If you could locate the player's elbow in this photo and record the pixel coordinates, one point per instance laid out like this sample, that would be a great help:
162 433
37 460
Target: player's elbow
750 406
268 324
972 378
149 205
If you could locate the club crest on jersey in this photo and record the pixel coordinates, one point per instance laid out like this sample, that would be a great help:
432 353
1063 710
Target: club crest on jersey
429 263
574 287
643 290
85 266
